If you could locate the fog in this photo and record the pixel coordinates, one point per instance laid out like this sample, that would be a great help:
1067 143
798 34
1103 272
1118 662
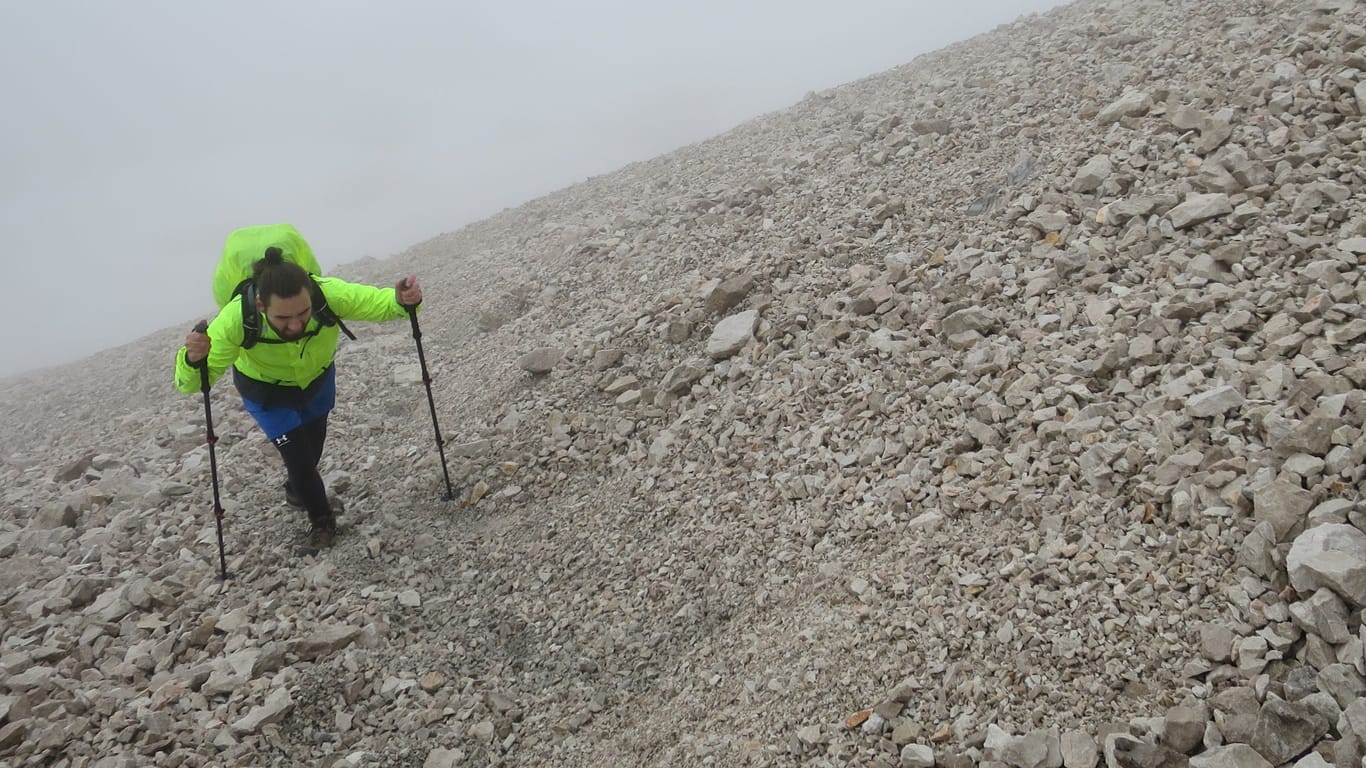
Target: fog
138 134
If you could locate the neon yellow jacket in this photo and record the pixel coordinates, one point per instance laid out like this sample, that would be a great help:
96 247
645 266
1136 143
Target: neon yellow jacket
294 363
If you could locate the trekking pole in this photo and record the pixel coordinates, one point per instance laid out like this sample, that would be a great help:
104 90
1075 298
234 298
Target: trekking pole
212 440
427 380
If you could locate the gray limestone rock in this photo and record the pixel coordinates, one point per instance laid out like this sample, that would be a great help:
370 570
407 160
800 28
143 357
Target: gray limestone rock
1185 729
324 641
1230 756
1121 212
13 734
250 663
74 469
1214 402
1093 174
1312 760
1214 131
1079 750
1343 682
1185 117
444 758
1286 730
1324 614
1216 642
971 319
729 293
1284 505
607 358
917 756
681 377
1313 436
1331 556
1049 221
1036 749
473 449
933 126
1133 753
274 709
55 515
1354 719
1200 208
540 361
1257 552
621 384
678 331
890 342
732 334
1131 104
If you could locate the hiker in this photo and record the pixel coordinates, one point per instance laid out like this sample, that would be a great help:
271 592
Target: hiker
286 376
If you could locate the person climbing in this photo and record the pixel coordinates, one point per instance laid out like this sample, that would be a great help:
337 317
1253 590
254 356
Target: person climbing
283 367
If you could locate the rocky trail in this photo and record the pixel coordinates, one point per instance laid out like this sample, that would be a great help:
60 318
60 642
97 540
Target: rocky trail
1004 408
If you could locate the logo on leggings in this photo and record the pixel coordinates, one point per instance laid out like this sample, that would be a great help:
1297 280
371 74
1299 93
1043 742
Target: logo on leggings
282 440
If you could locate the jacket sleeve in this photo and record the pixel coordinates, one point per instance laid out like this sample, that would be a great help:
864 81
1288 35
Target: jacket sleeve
225 342
352 301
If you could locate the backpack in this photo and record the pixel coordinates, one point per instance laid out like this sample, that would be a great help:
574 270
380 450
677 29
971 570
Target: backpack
232 276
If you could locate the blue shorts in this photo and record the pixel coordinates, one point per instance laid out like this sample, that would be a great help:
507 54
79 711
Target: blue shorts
278 420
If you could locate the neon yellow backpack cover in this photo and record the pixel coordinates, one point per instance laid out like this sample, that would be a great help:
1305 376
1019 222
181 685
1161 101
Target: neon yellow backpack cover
244 246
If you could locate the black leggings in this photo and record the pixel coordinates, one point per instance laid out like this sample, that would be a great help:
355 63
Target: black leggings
301 448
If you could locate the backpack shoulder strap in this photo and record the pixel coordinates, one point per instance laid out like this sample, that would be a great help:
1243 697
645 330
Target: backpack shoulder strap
324 313
251 316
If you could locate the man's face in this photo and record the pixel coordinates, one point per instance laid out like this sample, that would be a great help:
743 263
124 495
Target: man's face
288 315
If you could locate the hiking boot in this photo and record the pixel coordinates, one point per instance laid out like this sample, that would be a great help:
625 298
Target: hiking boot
292 498
322 534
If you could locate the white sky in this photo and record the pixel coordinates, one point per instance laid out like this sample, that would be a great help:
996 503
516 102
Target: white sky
137 134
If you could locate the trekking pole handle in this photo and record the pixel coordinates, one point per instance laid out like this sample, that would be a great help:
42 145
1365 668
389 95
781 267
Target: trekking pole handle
201 327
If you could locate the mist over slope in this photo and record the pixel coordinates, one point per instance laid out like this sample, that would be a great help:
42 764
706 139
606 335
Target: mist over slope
979 410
